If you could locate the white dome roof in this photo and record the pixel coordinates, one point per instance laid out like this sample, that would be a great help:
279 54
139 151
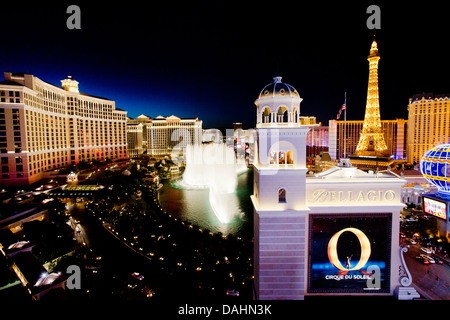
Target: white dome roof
278 88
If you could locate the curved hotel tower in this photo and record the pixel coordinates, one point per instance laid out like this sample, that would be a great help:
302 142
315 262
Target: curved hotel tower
43 127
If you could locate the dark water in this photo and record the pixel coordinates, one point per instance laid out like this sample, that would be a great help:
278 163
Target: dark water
193 205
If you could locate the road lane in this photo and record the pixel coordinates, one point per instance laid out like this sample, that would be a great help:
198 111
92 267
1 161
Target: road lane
431 278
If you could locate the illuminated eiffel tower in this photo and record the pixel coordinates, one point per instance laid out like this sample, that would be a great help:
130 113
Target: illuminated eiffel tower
372 151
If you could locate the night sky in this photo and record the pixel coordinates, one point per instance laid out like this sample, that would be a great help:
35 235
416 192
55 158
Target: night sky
211 59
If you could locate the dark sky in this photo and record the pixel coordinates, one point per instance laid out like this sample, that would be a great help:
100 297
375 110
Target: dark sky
211 59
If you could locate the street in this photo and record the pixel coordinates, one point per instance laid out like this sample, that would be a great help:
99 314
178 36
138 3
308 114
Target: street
431 278
118 261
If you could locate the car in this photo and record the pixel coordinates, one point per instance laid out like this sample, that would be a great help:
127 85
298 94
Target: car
421 259
438 260
426 250
430 259
232 292
148 292
137 276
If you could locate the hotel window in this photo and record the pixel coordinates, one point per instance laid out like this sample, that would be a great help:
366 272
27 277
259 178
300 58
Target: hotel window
281 157
282 196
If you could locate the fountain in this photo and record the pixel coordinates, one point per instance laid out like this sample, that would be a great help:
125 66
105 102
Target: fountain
214 166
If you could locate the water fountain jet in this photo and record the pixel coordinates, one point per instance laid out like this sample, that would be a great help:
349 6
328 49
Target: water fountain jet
214 166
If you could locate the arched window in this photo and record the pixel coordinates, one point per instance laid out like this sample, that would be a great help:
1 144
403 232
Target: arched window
282 196
282 153
266 115
282 114
273 157
290 157
281 157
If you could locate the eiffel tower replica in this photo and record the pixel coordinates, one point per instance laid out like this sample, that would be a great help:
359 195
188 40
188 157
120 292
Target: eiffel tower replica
372 152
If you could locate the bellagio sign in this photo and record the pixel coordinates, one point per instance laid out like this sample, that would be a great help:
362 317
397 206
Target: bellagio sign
349 196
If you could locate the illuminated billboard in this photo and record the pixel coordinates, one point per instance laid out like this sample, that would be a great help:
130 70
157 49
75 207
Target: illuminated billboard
349 253
435 208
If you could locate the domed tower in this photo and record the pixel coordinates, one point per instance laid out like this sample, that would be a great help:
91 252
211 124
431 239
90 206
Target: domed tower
278 103
281 137
279 193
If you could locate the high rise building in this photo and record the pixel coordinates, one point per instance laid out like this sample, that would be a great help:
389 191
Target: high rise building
135 136
371 151
395 134
43 127
316 141
428 123
317 138
161 136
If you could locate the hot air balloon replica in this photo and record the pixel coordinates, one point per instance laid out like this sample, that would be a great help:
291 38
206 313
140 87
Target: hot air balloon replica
435 167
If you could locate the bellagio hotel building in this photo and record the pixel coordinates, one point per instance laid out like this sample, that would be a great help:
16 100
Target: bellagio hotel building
43 127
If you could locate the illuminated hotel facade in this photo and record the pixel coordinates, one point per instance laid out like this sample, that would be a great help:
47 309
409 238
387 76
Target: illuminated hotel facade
317 138
428 123
395 136
43 127
161 136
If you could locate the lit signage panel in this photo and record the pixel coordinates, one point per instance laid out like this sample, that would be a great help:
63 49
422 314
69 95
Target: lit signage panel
349 253
435 208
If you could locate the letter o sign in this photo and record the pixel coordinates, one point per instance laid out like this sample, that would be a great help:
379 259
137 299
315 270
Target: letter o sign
389 195
365 249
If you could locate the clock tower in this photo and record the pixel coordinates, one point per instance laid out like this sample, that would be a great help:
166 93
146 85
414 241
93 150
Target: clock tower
279 194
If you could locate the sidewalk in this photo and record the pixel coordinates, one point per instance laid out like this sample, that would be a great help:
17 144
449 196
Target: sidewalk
431 289
425 293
